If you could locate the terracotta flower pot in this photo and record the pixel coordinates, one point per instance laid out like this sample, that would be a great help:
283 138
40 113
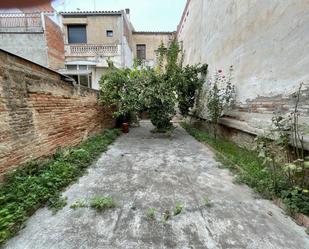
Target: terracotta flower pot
125 127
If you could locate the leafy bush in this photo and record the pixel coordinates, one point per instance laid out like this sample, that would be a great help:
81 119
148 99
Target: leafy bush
102 203
32 186
157 91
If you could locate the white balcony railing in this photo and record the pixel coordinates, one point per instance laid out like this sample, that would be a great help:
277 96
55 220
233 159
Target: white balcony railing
91 50
20 22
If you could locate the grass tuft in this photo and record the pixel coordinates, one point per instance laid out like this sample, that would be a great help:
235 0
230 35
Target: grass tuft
178 209
101 203
151 213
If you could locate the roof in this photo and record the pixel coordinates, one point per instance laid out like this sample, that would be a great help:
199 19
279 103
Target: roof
154 32
183 16
82 13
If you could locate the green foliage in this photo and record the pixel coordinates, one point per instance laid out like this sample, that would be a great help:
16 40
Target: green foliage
296 199
190 81
255 173
220 97
122 88
79 204
206 201
102 203
157 91
56 203
30 187
178 209
151 213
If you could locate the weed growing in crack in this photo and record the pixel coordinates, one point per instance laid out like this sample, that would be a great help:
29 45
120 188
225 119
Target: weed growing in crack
166 215
101 203
206 201
56 203
133 206
151 213
79 204
178 209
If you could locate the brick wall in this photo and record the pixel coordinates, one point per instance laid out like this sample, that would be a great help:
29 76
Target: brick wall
39 112
55 44
279 103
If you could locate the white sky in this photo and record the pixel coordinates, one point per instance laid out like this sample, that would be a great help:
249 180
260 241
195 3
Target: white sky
146 15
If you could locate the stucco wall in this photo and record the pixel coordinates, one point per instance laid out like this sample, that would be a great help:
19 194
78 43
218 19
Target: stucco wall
152 40
266 41
31 46
97 27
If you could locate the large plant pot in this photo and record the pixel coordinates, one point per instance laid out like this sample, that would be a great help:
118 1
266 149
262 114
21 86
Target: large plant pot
125 127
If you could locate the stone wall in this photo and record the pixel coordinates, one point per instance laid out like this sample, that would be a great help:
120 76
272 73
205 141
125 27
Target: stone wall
40 112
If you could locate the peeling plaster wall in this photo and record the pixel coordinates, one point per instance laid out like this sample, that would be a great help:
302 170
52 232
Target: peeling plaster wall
266 41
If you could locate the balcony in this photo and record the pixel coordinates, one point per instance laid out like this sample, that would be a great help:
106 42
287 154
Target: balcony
91 50
20 23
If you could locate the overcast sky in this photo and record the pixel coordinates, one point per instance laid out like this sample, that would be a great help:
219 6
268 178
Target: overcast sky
146 15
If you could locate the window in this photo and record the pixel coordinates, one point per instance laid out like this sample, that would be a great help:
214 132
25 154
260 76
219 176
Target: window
141 52
82 79
77 34
82 67
109 33
71 67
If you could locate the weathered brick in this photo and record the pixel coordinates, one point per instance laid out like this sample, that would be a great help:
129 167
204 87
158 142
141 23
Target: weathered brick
38 117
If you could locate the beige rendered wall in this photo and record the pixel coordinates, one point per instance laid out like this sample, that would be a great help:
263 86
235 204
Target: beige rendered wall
267 42
97 27
152 41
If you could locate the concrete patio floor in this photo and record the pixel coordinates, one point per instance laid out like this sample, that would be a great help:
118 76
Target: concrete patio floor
145 170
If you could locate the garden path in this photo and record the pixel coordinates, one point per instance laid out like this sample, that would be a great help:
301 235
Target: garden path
142 170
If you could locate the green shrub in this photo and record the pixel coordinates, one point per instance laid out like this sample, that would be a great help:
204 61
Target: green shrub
39 182
79 204
102 203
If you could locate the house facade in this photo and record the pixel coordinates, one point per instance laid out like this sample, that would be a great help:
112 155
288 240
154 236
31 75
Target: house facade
33 35
147 43
92 39
79 44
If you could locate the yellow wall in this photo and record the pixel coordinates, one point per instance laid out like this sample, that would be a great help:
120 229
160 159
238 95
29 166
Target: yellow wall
152 42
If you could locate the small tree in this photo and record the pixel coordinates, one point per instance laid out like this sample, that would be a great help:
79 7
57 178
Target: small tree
220 97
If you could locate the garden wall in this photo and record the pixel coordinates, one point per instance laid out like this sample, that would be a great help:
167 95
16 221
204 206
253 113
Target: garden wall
40 112
267 44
